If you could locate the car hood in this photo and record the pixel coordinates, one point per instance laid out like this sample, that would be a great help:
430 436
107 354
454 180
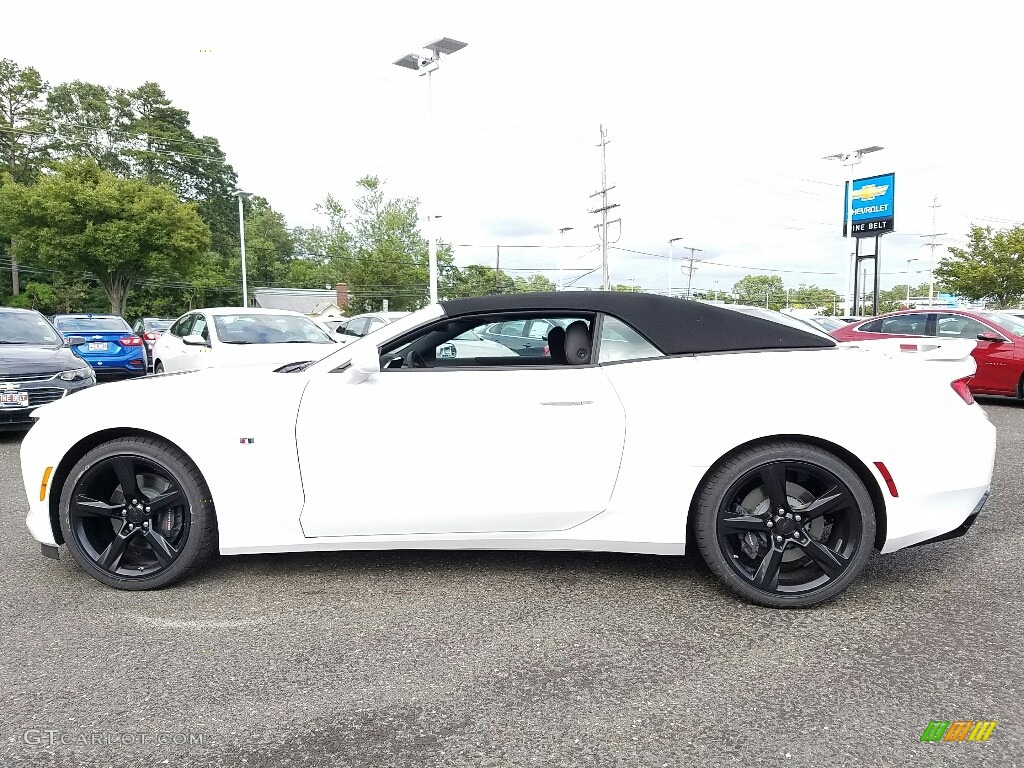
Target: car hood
20 359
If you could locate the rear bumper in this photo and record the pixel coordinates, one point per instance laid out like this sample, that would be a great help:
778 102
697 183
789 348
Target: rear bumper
961 529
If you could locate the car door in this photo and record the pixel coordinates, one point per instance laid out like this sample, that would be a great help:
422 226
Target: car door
459 450
194 356
997 372
172 348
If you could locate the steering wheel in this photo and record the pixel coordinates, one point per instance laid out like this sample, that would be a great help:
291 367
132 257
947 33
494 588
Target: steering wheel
415 360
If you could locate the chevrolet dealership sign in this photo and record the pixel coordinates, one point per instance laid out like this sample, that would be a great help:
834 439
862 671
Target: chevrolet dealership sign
872 205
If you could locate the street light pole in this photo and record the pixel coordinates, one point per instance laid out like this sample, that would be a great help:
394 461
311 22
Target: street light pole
429 64
561 258
670 242
908 280
241 236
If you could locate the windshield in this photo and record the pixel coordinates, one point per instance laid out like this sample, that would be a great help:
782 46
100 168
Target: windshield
27 328
1011 323
269 329
88 324
158 325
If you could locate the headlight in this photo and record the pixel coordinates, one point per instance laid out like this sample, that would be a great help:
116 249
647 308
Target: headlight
77 374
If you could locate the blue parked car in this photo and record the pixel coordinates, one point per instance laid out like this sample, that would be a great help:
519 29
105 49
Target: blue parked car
110 347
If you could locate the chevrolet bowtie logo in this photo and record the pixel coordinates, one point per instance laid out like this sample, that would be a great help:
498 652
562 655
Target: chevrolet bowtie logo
8 385
870 192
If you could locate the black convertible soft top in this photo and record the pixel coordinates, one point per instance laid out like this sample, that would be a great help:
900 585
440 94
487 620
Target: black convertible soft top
675 326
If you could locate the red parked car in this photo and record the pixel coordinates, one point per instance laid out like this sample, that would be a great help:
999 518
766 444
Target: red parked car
1000 337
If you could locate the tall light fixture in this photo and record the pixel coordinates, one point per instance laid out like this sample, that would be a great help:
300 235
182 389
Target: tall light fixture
670 242
851 159
241 236
561 257
908 280
427 65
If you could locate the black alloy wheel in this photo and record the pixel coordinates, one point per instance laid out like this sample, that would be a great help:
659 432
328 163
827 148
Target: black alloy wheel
137 514
785 524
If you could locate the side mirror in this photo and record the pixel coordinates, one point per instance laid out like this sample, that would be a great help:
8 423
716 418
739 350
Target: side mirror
994 337
365 363
75 341
195 340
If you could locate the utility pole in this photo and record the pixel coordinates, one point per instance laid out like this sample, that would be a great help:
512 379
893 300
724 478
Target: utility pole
603 210
933 245
690 269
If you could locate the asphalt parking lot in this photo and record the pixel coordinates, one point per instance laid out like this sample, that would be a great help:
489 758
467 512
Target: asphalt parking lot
514 659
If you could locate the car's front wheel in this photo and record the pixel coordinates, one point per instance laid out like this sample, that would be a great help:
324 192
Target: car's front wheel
136 514
158 367
785 524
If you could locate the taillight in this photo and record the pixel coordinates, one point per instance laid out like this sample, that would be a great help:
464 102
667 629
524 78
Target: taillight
960 387
130 341
150 336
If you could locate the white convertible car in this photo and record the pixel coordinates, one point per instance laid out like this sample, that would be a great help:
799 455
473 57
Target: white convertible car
768 445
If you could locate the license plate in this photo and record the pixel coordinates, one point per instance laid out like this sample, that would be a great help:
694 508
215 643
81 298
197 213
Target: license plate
14 398
97 346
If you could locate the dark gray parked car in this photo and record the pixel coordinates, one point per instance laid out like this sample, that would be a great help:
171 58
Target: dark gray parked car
37 366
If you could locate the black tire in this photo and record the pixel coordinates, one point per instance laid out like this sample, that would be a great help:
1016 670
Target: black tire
814 544
126 545
158 367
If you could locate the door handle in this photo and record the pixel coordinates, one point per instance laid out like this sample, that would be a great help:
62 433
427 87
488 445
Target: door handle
570 402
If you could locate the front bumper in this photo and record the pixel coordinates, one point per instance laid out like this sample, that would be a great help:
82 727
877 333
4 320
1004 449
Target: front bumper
39 393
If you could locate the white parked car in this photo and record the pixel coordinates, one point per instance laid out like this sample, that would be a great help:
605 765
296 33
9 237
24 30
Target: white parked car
721 423
472 344
206 338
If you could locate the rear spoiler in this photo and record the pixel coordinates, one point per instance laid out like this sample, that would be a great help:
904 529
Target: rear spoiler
921 349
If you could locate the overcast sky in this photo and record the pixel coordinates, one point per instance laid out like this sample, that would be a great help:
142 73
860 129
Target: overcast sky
718 115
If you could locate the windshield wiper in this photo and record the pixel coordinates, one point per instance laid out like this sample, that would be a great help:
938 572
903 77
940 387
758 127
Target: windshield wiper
294 367
2 341
237 342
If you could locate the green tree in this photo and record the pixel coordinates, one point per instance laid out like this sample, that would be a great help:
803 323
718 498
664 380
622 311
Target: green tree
83 220
533 283
479 280
38 296
139 133
22 135
990 267
754 289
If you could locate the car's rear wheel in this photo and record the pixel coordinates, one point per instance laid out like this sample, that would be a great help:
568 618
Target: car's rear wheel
158 367
785 524
136 513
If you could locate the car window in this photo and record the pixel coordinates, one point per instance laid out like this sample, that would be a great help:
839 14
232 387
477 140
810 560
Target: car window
181 327
28 328
137 328
1007 322
512 328
252 328
620 342
199 328
875 326
960 327
91 324
374 324
539 329
356 326
158 325
909 325
458 344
